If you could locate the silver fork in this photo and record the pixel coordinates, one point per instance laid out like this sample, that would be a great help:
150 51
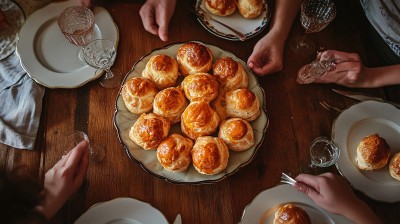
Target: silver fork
287 179
207 16
328 107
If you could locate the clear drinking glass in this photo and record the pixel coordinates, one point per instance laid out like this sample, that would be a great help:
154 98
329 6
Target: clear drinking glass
323 152
310 72
96 154
315 15
101 54
77 24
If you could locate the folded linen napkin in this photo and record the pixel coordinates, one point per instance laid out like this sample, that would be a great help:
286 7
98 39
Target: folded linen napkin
21 105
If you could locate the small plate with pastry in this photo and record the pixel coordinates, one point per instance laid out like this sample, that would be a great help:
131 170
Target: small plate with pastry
191 113
368 136
284 204
247 16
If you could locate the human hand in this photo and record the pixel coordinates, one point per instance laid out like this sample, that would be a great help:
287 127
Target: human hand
156 15
64 179
334 194
87 3
348 71
267 55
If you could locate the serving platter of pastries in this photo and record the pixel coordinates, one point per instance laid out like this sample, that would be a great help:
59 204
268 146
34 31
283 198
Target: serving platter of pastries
284 204
191 113
368 136
247 16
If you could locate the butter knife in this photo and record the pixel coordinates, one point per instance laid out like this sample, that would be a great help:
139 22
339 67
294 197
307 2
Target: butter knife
362 97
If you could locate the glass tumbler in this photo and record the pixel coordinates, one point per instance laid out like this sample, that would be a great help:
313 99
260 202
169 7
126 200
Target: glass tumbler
77 24
323 152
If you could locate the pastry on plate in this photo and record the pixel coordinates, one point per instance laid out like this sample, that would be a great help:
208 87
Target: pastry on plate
138 94
291 214
210 155
170 103
174 153
242 103
394 166
200 86
162 70
250 8
194 58
199 119
149 130
219 105
237 134
372 153
221 7
230 74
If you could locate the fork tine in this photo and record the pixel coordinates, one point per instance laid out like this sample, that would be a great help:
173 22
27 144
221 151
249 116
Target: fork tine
284 175
328 107
287 182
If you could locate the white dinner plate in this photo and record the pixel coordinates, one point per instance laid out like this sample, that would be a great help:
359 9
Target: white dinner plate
352 125
147 159
122 211
249 27
49 58
263 207
9 36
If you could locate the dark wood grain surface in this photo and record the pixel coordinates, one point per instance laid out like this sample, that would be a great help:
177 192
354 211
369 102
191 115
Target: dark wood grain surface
296 119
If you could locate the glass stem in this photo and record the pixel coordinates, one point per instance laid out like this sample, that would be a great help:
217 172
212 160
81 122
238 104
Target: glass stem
302 41
109 74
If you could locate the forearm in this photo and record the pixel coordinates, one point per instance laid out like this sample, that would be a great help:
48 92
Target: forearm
361 214
382 76
283 16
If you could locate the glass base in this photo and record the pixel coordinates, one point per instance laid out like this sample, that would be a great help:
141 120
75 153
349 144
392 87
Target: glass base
111 79
302 46
97 154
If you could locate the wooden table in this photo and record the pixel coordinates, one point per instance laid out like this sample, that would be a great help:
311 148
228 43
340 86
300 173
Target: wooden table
296 119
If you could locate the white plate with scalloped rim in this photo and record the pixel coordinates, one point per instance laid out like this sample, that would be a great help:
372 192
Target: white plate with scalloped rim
263 207
147 159
250 27
351 126
49 58
122 211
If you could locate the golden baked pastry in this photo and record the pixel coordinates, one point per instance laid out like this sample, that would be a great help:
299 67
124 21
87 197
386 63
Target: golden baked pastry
250 8
194 58
372 153
394 166
230 74
149 130
237 134
162 70
242 103
200 86
170 103
291 214
138 94
210 155
174 153
199 119
219 105
221 7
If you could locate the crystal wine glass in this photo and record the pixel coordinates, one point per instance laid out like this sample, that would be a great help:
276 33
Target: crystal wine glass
323 152
315 15
96 154
101 54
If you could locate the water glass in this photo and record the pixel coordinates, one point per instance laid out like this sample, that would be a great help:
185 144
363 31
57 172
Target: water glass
77 24
310 72
323 152
96 153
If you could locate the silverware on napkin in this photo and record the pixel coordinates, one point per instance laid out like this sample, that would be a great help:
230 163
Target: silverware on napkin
362 97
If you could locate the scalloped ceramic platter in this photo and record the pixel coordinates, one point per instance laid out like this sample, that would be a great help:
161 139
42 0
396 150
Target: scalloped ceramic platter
250 27
9 36
351 126
49 58
122 211
263 207
147 159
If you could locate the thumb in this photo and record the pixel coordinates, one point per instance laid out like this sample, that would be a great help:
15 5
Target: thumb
163 32
308 190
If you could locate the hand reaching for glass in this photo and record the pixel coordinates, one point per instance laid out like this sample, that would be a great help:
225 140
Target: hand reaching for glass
64 179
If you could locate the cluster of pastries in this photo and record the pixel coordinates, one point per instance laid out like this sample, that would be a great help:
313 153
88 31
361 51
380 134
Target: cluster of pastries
373 153
247 8
212 104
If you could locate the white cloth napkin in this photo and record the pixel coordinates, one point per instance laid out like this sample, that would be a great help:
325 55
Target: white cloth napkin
20 105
